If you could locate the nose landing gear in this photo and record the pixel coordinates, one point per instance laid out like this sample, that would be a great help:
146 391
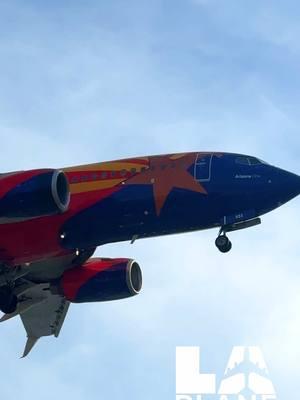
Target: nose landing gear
223 243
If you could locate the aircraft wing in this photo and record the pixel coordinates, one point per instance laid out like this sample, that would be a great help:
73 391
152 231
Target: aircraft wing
41 312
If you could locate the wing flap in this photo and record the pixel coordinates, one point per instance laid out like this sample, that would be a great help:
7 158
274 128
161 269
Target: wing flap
44 319
42 314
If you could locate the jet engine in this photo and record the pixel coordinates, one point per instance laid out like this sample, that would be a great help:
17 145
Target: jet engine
31 194
102 280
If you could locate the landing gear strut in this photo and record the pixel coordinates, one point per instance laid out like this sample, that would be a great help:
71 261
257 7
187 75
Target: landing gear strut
223 243
8 300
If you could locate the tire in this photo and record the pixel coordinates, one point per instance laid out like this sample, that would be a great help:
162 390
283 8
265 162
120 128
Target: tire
223 244
222 241
11 306
8 301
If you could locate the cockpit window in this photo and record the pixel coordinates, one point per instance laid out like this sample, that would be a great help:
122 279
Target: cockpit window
254 161
249 161
242 160
264 162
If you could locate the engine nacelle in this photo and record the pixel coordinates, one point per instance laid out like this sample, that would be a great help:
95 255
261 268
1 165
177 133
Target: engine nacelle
102 280
31 194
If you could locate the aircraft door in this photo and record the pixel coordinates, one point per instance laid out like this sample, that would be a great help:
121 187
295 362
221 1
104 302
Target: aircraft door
203 167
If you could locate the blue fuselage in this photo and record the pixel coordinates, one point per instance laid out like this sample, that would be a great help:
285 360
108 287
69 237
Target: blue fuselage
235 188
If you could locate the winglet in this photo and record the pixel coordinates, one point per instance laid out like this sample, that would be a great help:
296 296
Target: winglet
31 341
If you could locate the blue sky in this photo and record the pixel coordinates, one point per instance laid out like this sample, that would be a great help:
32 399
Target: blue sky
86 81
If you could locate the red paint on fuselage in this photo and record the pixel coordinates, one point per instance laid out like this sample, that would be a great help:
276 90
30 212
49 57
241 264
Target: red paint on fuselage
37 239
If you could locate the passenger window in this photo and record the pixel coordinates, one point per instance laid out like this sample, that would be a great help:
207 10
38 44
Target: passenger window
74 179
133 171
103 175
123 172
113 174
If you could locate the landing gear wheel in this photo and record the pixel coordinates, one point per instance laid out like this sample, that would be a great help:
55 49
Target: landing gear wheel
8 301
11 306
223 244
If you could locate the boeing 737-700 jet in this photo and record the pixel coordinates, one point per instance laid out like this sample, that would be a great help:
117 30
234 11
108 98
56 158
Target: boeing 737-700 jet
51 222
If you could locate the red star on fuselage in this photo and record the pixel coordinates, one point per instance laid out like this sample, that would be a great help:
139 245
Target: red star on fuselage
166 173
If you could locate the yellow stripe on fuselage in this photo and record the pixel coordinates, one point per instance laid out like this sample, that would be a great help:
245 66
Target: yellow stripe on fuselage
106 166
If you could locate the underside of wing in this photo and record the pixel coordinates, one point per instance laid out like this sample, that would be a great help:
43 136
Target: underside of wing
41 310
42 314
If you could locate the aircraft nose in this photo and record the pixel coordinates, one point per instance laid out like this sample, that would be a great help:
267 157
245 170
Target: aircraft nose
287 184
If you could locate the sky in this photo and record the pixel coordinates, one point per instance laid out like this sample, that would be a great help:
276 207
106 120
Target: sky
89 81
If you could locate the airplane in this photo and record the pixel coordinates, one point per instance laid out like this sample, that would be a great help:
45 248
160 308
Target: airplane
52 221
